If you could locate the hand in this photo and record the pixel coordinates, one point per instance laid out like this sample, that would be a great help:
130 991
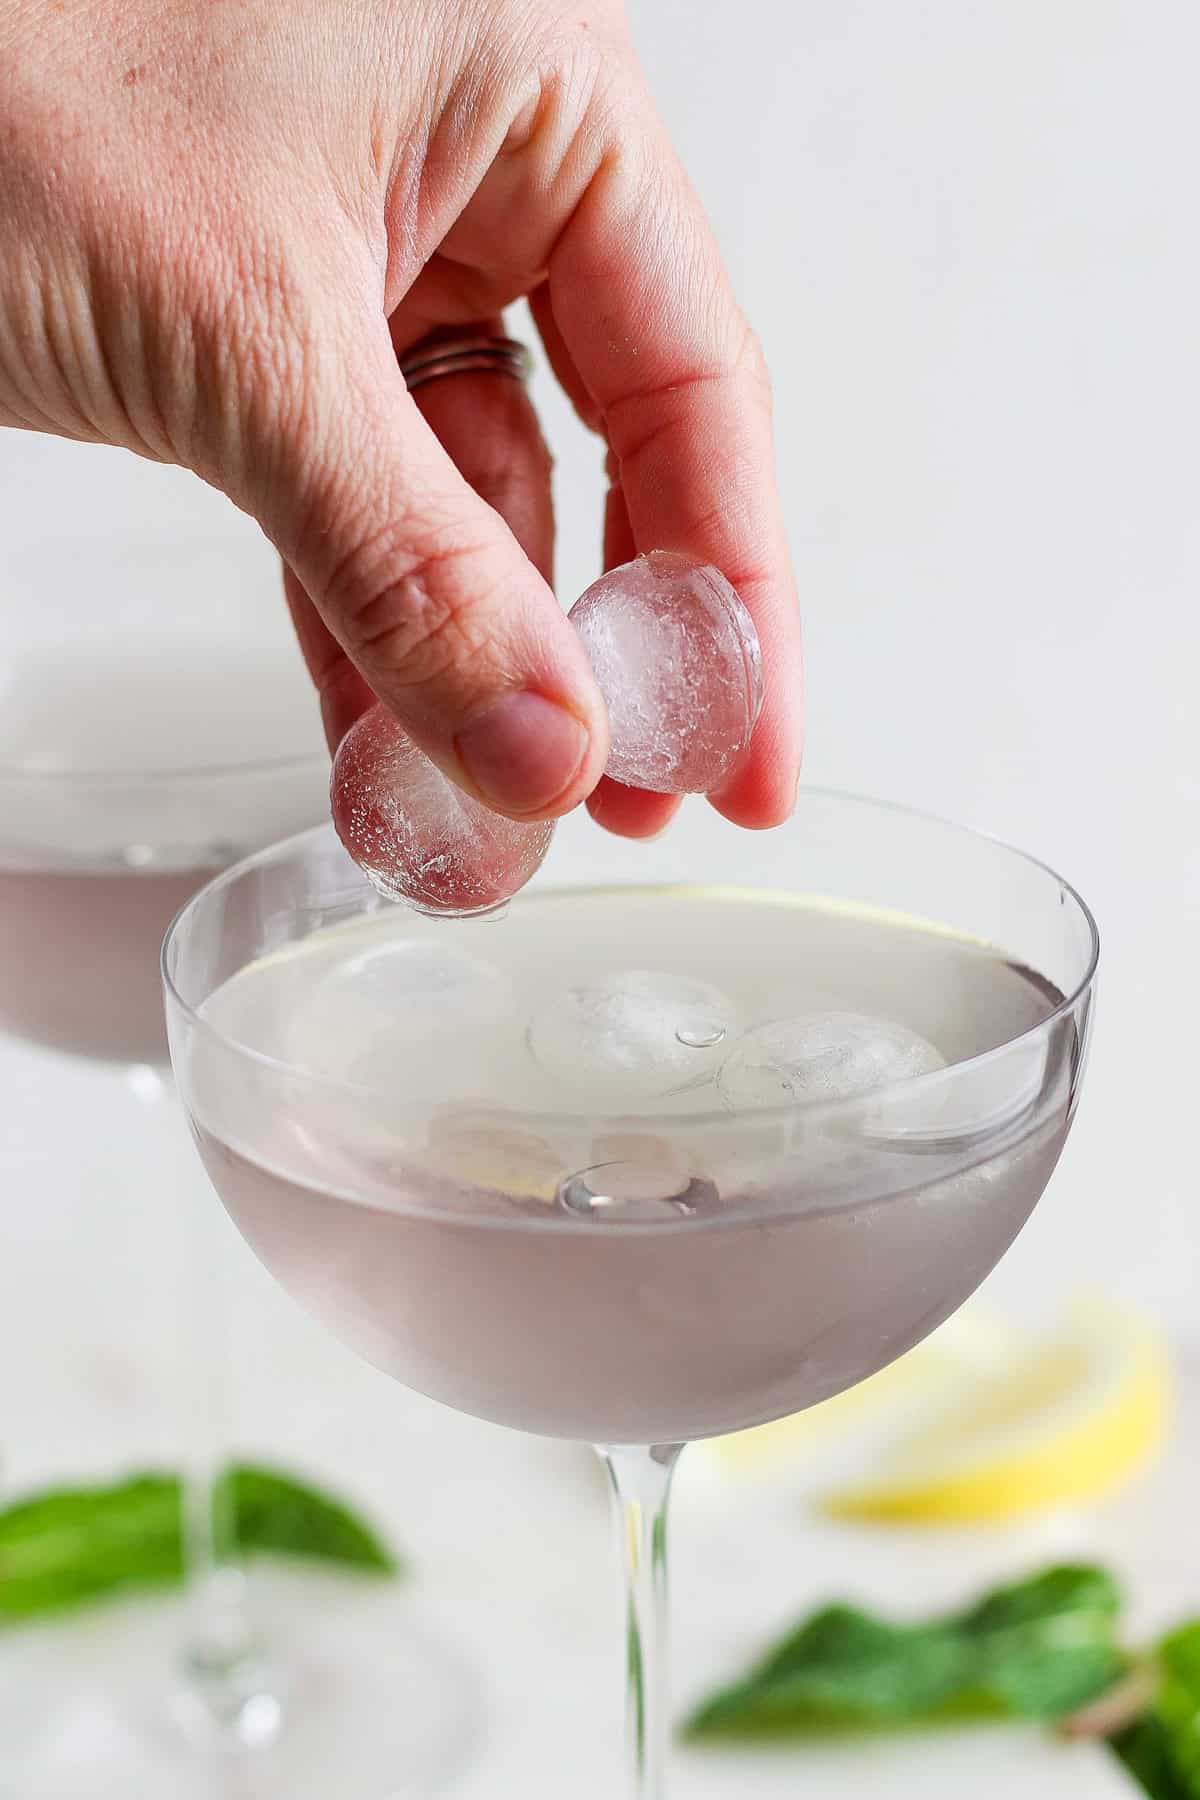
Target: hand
220 220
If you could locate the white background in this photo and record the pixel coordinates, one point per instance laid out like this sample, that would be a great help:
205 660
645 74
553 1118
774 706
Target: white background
967 236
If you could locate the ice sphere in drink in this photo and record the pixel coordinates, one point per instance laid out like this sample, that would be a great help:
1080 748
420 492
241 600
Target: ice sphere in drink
822 1056
676 657
363 1021
631 1036
415 835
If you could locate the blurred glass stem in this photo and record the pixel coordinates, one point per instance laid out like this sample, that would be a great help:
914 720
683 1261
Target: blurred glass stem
226 1691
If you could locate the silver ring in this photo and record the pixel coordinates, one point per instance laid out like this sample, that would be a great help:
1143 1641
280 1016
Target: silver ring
472 352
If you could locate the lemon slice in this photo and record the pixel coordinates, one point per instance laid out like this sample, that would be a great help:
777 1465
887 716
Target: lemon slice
478 1152
1073 1416
969 1344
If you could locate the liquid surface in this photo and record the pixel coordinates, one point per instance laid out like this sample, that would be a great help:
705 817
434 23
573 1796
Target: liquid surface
585 1276
496 1011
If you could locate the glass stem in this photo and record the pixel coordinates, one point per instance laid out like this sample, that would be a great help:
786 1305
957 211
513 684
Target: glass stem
641 1485
220 1637
227 1693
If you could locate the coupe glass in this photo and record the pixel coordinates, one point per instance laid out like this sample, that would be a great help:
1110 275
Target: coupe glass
675 1266
124 786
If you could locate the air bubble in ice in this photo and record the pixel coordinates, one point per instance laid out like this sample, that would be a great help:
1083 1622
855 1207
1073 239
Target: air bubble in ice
700 1037
636 1035
823 1056
677 659
415 835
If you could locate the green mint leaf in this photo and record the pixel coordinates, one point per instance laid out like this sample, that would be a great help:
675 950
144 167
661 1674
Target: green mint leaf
1032 1650
60 1549
274 1512
1145 1751
1048 1645
1178 1703
1162 1749
1065 1589
74 1545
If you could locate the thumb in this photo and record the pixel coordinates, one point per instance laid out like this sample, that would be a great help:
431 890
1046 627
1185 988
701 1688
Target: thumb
425 589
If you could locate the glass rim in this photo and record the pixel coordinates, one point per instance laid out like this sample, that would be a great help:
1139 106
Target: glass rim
75 776
567 1117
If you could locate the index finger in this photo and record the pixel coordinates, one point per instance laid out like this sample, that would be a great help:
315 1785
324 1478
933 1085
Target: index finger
646 312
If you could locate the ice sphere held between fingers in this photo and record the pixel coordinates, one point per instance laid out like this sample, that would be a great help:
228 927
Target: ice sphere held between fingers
676 657
636 1035
822 1056
415 835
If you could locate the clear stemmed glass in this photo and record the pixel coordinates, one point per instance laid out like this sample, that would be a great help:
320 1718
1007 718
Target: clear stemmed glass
125 784
521 1218
93 866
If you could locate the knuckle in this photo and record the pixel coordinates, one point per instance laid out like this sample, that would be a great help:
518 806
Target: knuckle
560 88
415 615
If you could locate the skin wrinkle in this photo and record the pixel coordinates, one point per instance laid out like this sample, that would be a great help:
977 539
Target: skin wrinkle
66 337
18 349
551 168
431 637
399 637
404 231
453 152
357 576
279 350
637 439
20 369
116 328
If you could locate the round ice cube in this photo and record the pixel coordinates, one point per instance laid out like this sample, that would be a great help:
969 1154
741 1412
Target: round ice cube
822 1056
411 1015
634 1036
676 657
415 835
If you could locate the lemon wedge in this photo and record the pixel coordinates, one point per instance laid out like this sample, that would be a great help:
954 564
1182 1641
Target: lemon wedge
1075 1414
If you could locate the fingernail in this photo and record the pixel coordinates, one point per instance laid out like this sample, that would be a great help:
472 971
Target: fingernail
523 752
